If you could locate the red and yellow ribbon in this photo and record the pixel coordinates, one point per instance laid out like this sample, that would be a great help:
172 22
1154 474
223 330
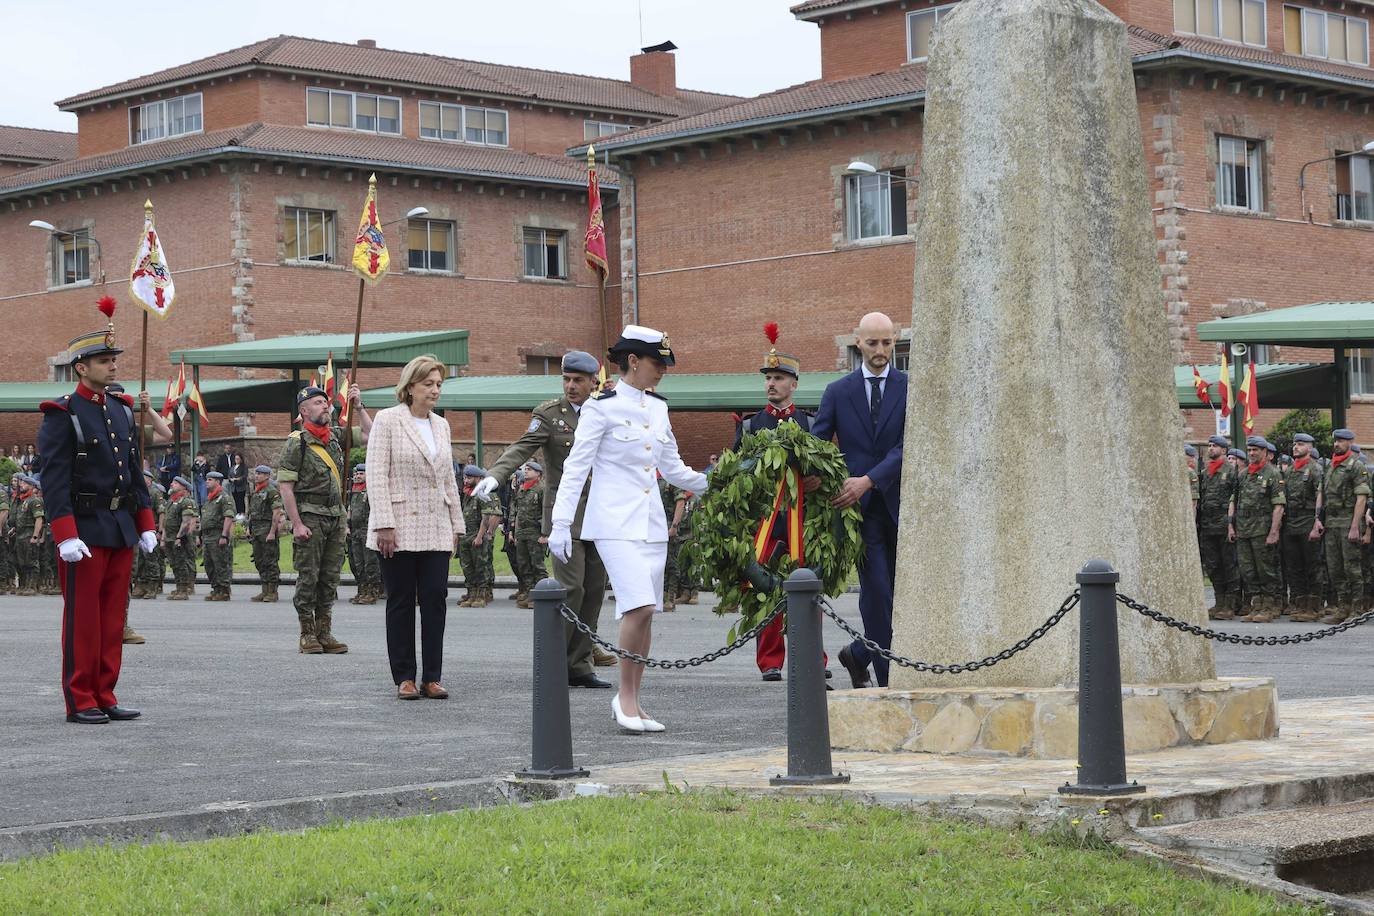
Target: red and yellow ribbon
763 538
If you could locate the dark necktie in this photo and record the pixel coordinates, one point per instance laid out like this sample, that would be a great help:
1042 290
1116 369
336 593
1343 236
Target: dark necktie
875 398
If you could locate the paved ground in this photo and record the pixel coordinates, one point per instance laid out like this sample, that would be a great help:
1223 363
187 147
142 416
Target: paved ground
232 713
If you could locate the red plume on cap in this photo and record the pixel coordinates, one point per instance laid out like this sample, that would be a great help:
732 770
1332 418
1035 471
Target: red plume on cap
106 304
770 330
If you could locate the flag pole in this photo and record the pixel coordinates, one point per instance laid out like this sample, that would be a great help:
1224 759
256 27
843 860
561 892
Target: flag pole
352 374
142 387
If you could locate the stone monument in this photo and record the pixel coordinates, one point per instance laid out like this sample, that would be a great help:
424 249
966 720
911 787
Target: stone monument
1041 372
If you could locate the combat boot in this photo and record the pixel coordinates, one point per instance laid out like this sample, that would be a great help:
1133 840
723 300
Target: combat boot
669 605
310 645
138 590
1336 613
524 601
466 600
1269 610
603 659
269 594
1302 610
178 594
328 643
478 599
131 637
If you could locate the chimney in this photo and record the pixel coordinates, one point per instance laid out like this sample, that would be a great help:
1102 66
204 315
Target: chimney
367 42
654 69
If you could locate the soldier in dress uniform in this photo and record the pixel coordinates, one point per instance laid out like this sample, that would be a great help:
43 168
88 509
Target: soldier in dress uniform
179 521
551 430
1302 487
99 509
217 537
365 563
1345 498
1259 523
530 548
265 524
480 520
310 480
1216 534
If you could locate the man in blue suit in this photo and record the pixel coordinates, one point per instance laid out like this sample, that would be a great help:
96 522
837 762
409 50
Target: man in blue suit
866 412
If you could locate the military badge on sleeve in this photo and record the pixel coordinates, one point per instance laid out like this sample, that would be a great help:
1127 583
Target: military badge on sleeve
534 425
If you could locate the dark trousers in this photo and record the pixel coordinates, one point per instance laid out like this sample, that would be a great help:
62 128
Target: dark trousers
408 573
877 575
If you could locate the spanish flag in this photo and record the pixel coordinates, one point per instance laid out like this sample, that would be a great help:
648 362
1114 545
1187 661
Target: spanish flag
176 388
197 402
343 400
1226 397
1200 384
327 380
1249 397
370 257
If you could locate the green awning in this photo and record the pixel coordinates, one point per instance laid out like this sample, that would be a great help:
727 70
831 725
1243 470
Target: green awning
1283 385
309 351
1321 324
221 396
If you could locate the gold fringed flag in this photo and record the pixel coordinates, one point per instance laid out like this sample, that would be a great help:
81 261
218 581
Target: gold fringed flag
197 402
370 257
176 389
1227 396
1200 386
1249 397
595 243
150 279
343 400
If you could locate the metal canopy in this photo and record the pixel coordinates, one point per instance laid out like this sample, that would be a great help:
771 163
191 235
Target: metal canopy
221 396
1320 324
308 351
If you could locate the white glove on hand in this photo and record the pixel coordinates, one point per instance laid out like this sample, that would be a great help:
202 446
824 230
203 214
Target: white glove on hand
485 487
560 543
147 542
73 549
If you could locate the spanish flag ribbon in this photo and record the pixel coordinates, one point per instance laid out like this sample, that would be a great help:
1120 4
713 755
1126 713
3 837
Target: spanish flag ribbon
763 538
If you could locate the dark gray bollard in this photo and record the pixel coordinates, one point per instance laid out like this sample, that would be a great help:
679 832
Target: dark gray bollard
1101 736
808 719
551 742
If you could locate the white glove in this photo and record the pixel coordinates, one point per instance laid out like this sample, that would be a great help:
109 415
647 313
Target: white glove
560 543
147 542
73 549
485 487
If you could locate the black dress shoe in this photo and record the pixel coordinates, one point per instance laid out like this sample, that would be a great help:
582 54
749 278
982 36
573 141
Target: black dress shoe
120 713
828 672
88 717
587 680
858 674
773 674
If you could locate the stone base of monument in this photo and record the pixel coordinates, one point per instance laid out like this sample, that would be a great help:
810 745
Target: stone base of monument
1042 722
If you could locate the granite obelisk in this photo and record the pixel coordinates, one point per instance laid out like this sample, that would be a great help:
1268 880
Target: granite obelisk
1040 360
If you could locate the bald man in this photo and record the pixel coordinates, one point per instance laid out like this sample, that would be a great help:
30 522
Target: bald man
866 413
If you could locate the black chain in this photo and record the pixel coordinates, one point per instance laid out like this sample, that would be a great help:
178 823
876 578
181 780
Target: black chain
1068 605
679 663
1238 639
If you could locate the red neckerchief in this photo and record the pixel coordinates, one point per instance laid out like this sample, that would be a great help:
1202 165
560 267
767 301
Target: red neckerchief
529 484
319 432
780 412
86 394
214 491
259 487
1214 466
1301 463
1337 459
1256 468
467 488
359 486
178 496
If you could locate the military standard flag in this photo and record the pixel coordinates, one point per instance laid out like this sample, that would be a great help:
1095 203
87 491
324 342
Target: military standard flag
1200 384
176 388
150 279
1249 397
327 380
370 257
1225 384
595 242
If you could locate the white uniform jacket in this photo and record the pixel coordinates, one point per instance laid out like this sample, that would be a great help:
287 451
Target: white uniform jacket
625 437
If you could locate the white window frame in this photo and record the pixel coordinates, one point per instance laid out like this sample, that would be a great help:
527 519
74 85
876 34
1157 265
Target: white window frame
901 356
58 256
544 244
450 253
1309 15
464 113
292 219
595 130
1216 14
939 12
1255 179
853 186
1367 164
162 107
353 111
442 106
1361 363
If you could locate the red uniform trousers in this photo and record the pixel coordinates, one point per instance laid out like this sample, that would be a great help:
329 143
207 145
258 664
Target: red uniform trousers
95 596
771 646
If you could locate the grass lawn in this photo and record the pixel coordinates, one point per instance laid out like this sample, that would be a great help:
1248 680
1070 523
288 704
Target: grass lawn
243 558
669 854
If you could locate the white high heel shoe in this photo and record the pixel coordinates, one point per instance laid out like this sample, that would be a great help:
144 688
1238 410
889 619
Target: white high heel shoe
650 725
629 723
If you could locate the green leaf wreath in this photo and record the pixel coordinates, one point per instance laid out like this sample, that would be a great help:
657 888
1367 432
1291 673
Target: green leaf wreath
744 484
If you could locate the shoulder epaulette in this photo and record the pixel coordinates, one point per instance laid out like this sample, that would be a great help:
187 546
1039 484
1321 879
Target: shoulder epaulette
552 402
294 434
128 399
603 395
60 404
655 394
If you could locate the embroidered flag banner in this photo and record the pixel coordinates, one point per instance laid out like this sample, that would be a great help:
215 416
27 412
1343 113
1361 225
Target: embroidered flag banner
150 279
370 257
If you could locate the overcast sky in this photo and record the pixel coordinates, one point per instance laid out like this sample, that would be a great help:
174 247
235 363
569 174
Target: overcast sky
58 48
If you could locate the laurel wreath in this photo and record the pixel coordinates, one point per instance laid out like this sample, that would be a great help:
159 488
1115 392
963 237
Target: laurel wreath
744 484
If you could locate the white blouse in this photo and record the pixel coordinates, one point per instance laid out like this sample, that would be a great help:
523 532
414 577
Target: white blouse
426 432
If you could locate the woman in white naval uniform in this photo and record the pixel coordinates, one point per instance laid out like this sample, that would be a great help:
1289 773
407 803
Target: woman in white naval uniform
624 440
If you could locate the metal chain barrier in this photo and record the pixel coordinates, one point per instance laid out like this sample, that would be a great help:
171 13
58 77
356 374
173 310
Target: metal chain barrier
1237 638
678 663
1069 604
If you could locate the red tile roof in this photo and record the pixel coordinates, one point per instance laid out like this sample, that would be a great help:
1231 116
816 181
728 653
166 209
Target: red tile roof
315 145
288 52
30 144
1143 41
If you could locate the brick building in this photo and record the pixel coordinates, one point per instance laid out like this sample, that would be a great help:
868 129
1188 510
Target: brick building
745 213
257 162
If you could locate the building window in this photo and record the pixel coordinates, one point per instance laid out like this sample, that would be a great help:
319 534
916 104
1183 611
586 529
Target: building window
1260 355
484 125
1361 370
431 244
1240 21
543 365
167 118
1316 33
920 28
378 114
901 356
1355 188
1240 184
61 369
546 254
594 129
71 257
309 235
876 204
439 121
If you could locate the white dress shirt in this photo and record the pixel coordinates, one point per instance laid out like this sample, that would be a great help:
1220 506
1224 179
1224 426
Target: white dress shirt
882 384
625 437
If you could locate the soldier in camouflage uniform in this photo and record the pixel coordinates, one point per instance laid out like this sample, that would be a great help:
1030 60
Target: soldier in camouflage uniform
530 551
1301 534
673 503
154 568
365 563
1345 497
28 522
7 564
687 587
1190 459
480 519
1217 483
265 523
217 537
47 552
1259 523
178 538
310 480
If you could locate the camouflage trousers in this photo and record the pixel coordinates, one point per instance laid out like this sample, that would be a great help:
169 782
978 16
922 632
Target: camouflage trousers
47 560
672 570
28 560
1343 562
489 558
1259 567
150 568
8 562
319 561
529 560
219 563
1219 562
1302 566
183 561
365 564
267 559
475 561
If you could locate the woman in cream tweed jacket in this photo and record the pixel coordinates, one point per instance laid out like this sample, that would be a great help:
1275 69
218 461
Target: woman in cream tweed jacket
415 522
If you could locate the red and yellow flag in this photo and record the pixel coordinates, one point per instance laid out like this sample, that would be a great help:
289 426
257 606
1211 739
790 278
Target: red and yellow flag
1227 398
1249 397
176 388
343 400
370 257
327 380
1200 384
595 242
763 538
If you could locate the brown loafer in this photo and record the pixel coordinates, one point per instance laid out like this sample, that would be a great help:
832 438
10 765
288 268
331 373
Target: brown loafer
406 691
434 690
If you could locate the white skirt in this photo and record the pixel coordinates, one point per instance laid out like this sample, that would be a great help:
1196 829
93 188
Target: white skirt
635 569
